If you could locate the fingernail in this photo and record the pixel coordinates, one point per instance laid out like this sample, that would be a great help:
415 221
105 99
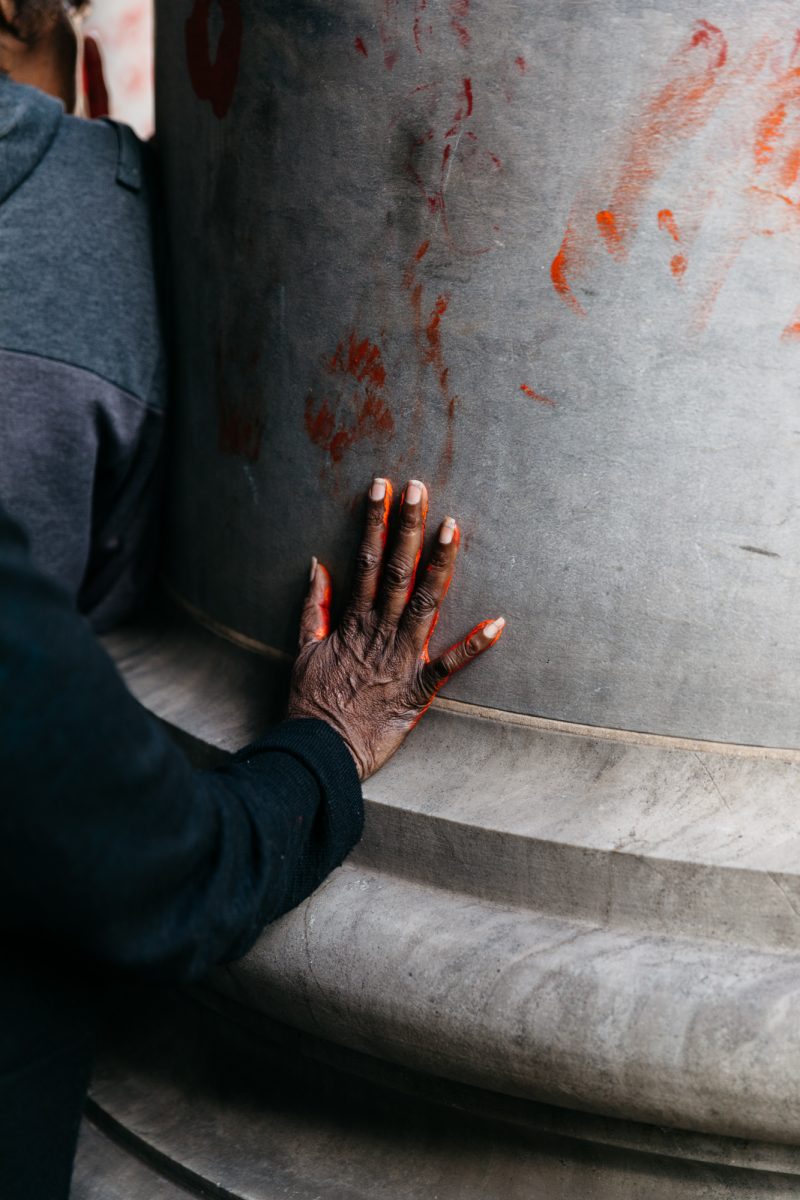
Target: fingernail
493 628
378 489
447 531
413 491
314 565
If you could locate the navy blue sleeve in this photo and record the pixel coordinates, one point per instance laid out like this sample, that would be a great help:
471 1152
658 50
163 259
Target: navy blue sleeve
111 844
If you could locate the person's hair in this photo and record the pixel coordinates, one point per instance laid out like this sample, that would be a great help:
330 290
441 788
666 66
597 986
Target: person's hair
31 16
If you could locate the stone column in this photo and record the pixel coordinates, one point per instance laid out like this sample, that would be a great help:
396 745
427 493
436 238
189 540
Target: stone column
543 255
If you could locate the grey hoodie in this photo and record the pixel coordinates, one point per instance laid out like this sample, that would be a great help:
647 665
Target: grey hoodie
81 362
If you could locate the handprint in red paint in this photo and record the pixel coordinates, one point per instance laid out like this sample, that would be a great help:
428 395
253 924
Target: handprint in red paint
353 407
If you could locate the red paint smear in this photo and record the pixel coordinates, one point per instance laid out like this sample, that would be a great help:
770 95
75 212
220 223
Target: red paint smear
792 332
678 265
520 64
468 96
337 422
523 387
710 35
360 359
667 222
419 8
459 12
677 109
388 32
360 47
560 267
768 131
215 82
421 251
791 168
428 340
607 224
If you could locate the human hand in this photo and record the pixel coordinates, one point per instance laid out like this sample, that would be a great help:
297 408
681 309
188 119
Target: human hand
372 678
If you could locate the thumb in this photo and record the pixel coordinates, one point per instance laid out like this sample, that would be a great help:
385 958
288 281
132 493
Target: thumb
315 621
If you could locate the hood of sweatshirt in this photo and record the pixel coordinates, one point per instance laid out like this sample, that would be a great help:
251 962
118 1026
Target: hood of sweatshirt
29 121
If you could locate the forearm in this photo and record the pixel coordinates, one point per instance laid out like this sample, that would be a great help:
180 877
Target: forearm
112 843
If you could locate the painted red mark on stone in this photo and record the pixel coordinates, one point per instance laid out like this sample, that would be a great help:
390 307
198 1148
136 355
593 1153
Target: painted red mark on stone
710 35
792 331
360 47
523 387
389 33
214 81
521 64
666 221
356 407
421 26
240 426
740 121
427 327
437 146
768 131
459 13
566 263
607 224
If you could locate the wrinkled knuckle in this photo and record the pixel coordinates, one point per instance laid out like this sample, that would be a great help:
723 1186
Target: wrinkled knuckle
367 561
409 519
375 516
440 559
397 575
443 667
422 604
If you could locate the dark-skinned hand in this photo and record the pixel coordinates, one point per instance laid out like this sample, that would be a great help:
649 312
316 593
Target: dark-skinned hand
372 678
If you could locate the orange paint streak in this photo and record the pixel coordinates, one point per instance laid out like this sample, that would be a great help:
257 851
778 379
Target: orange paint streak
677 110
523 387
428 339
607 224
667 222
421 251
791 168
768 131
561 265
